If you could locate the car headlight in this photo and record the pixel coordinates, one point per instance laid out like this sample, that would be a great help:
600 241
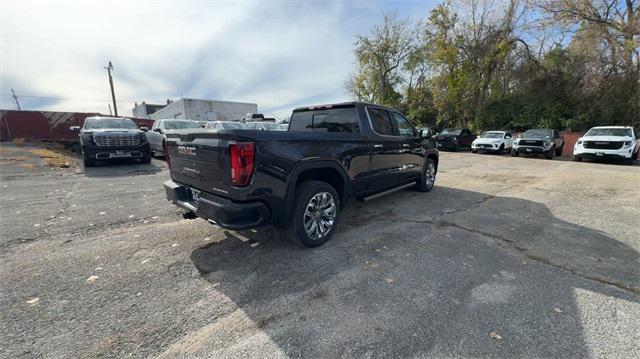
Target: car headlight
627 143
87 137
516 141
579 142
546 143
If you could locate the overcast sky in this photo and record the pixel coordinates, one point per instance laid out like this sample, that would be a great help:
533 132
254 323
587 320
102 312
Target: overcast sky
277 53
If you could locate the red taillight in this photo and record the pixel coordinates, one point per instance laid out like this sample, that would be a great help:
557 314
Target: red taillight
242 163
166 153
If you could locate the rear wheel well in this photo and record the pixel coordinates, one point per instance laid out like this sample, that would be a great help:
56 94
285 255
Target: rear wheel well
325 174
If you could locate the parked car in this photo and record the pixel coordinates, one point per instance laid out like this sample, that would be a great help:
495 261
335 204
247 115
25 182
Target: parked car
453 139
225 125
294 179
159 131
263 126
608 142
541 141
493 141
107 138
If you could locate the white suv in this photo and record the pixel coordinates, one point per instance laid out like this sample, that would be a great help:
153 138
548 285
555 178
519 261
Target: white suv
610 142
493 141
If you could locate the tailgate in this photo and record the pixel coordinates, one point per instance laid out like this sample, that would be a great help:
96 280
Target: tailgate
199 160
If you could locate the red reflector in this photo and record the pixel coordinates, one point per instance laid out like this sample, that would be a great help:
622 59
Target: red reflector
242 163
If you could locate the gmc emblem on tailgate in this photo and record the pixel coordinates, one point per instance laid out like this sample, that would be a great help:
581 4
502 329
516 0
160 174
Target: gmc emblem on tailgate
187 150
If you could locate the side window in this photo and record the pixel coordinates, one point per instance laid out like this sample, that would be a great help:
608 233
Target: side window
466 132
380 121
508 135
401 126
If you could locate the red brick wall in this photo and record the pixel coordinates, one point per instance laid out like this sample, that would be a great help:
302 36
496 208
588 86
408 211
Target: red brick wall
44 125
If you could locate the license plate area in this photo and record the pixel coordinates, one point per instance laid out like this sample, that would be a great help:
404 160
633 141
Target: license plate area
195 194
119 153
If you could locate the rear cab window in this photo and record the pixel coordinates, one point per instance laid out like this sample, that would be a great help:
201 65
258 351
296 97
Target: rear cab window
338 119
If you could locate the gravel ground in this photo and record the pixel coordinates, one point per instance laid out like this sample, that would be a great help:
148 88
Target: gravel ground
507 257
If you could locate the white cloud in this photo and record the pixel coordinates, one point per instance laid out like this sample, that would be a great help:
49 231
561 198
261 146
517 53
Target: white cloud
279 54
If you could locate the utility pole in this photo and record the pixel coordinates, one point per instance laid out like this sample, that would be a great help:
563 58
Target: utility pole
15 97
113 94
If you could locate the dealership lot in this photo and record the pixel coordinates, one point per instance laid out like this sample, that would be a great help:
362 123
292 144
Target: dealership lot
506 257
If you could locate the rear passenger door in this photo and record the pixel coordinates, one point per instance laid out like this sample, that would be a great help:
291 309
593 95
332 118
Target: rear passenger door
387 152
411 146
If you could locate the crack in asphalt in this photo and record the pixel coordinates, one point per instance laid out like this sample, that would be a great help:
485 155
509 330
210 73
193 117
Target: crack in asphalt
501 242
519 251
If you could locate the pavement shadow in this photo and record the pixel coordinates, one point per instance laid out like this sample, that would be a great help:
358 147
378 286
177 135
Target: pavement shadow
426 275
122 168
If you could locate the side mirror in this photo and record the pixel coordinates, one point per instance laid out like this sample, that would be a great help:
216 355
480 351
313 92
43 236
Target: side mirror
75 128
426 133
145 129
157 130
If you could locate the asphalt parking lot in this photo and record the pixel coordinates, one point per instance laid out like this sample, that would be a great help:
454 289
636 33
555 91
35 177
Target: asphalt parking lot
507 257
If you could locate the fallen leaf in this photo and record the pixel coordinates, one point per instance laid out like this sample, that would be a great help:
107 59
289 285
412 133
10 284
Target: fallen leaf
131 216
254 244
388 280
136 235
93 278
207 239
495 336
33 301
101 213
37 225
558 310
98 269
154 217
174 245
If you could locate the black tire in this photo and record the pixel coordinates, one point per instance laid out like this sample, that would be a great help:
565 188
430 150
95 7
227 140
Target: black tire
304 193
549 154
146 159
514 153
577 158
423 185
500 150
474 151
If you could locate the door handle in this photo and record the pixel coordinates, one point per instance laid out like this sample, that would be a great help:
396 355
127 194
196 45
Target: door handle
378 146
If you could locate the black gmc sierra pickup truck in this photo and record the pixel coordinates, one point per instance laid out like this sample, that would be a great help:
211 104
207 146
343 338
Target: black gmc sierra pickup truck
299 179
108 138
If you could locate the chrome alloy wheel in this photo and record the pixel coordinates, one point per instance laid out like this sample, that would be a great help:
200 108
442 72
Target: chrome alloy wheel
319 215
430 177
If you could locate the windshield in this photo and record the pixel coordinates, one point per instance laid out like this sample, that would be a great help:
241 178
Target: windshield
231 125
538 132
618 132
492 135
123 123
451 131
178 125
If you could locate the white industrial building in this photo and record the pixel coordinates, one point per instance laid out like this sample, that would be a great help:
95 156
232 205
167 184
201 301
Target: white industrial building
204 110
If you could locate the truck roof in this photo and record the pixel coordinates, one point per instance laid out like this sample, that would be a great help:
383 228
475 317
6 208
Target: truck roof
342 104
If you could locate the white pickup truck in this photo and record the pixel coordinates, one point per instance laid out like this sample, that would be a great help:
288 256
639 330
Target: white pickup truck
610 142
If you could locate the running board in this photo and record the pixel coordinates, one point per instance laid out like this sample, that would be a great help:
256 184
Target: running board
389 191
